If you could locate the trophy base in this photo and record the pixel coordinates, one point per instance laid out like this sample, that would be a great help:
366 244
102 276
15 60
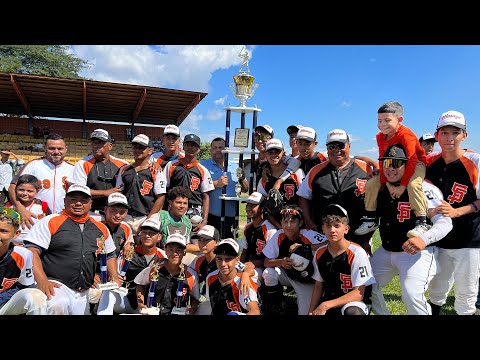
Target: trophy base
240 151
121 290
233 198
242 109
150 311
179 311
108 286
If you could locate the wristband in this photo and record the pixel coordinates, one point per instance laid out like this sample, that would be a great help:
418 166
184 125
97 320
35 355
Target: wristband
475 207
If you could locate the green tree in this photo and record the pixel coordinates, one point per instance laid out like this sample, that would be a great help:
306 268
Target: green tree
204 152
49 60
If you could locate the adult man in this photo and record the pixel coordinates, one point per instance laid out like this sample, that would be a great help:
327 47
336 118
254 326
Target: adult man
6 173
340 180
215 165
99 170
53 174
405 252
306 142
455 172
144 186
65 249
189 173
171 147
427 141
292 131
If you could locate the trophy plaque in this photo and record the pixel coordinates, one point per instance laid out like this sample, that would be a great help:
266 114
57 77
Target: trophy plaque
105 285
241 138
152 310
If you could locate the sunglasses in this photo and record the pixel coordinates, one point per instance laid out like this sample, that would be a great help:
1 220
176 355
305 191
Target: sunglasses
12 214
274 151
292 212
104 179
337 146
395 163
262 137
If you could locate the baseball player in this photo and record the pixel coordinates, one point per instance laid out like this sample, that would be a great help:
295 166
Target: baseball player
406 253
292 132
455 171
256 233
170 272
342 271
53 174
144 186
171 150
223 285
146 253
307 140
17 294
280 269
65 248
99 170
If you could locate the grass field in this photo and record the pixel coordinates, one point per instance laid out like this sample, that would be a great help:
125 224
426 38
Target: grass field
391 292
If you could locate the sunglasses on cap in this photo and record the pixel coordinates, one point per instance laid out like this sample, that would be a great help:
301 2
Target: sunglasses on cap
292 212
12 214
395 163
262 137
336 146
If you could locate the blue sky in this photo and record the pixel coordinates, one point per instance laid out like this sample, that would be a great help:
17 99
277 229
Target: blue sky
321 86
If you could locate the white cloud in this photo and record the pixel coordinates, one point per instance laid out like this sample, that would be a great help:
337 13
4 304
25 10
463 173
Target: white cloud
346 104
221 101
188 67
373 150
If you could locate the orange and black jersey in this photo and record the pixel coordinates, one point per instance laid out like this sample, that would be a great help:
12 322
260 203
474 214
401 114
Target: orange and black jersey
340 274
15 270
255 238
69 249
308 164
203 268
97 175
459 183
120 235
224 299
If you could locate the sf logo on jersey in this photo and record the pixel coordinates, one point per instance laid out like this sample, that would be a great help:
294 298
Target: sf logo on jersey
403 211
458 193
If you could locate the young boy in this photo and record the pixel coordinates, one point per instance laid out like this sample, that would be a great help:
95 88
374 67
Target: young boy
223 285
427 142
26 190
17 295
342 271
393 132
113 301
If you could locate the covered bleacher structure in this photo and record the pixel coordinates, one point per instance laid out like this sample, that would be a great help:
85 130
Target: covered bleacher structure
29 102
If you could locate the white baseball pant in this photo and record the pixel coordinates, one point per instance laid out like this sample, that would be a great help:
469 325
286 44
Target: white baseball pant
29 301
112 301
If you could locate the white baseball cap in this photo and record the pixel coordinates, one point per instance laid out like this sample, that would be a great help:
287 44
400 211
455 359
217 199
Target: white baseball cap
171 129
274 144
306 133
143 140
176 238
452 118
79 188
228 246
267 128
254 198
337 135
117 198
427 137
207 232
100 134
152 222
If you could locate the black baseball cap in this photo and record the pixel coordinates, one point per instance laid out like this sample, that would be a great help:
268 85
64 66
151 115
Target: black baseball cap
335 209
191 138
394 152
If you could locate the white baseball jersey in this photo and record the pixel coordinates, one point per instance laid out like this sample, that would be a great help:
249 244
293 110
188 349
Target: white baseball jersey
272 249
52 179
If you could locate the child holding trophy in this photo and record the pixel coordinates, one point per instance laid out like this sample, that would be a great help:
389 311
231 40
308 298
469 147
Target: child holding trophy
170 274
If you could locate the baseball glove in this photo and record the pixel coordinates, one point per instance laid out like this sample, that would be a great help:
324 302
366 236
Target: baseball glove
273 203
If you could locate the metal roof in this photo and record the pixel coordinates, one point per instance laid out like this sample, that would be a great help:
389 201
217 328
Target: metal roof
44 96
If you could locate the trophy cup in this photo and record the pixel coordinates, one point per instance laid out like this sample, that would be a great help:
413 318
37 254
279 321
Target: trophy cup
243 89
152 310
178 309
105 285
128 256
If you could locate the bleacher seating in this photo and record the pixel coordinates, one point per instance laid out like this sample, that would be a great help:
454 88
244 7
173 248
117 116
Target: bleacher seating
77 148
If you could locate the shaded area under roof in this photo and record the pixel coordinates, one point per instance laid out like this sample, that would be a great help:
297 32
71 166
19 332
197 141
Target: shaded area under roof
44 96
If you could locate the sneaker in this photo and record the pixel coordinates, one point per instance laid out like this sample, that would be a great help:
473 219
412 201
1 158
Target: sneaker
421 227
368 225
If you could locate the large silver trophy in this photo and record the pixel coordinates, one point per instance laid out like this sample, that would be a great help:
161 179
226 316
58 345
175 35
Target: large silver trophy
244 88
